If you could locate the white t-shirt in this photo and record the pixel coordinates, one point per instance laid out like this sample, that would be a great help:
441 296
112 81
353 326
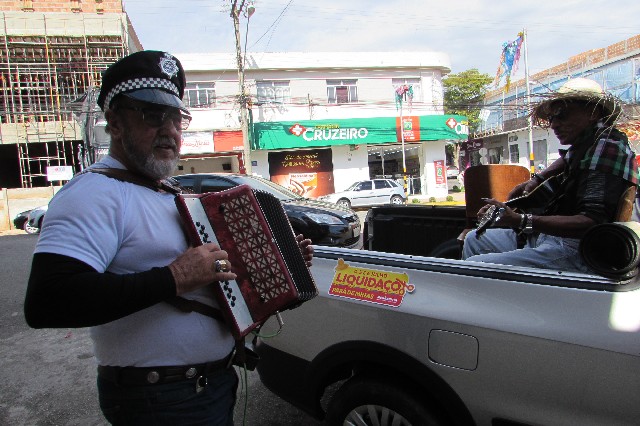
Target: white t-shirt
120 227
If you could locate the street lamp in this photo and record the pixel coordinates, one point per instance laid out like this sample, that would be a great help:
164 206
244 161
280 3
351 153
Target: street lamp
237 8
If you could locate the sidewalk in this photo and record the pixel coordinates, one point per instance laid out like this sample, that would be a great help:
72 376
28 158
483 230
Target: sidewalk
458 198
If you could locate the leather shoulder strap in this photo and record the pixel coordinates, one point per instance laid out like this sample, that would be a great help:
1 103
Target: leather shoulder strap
128 176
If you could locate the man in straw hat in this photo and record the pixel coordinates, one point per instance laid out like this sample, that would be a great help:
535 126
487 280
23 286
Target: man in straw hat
111 252
592 174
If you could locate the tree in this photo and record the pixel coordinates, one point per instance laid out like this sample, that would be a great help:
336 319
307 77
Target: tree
463 95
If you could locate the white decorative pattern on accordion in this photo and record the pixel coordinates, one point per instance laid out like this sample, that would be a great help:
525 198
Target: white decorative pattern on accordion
259 259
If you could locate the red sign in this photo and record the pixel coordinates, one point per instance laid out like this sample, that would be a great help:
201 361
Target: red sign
440 172
410 128
226 141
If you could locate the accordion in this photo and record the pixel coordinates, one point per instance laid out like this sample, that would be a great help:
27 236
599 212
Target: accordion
253 228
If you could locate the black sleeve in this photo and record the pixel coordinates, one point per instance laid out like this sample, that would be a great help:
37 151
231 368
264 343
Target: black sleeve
66 292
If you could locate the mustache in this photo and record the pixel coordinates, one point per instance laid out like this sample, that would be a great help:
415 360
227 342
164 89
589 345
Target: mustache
164 141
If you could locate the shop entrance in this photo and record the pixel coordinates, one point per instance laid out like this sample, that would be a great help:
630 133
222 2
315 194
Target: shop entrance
385 161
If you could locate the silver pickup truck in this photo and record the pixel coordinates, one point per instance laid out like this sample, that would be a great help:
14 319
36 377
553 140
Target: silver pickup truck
407 340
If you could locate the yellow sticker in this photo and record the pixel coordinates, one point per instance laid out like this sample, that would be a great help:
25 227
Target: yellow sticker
370 285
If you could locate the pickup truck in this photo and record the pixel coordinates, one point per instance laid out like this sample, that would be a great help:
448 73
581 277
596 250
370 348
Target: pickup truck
425 230
402 339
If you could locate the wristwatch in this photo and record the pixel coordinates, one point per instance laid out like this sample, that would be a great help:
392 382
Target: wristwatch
528 227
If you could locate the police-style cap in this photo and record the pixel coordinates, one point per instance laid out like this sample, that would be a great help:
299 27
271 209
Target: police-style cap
148 76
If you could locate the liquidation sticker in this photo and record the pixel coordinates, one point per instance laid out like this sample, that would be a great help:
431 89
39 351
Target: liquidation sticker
370 285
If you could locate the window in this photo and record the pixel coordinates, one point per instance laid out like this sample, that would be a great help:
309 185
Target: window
364 186
381 184
273 92
214 184
514 154
188 182
200 94
342 91
414 83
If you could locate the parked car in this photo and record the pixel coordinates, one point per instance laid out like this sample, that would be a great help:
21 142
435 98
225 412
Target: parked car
368 193
324 223
20 219
452 172
30 220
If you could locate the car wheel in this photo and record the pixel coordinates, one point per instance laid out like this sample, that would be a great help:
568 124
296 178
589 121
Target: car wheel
30 229
343 202
372 401
396 199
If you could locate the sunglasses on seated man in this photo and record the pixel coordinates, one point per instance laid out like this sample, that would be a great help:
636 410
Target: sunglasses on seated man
154 117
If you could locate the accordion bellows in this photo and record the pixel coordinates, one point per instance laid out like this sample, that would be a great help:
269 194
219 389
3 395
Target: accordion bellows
253 228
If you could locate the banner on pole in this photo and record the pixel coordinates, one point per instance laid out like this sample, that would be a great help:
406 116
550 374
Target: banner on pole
509 61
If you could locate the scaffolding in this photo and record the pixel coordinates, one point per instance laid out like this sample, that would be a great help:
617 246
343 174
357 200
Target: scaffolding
46 62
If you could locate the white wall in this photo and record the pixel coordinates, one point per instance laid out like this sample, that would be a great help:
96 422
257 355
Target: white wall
349 166
432 151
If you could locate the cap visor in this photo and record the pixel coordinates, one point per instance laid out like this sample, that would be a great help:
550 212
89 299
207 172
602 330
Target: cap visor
157 96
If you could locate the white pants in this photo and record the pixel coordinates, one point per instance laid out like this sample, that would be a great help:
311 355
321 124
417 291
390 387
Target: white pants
541 250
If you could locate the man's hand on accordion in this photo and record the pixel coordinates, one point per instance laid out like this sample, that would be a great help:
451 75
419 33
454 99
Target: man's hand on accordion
196 268
305 248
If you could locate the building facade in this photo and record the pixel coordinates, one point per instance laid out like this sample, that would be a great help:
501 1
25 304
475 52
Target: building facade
503 137
321 121
52 54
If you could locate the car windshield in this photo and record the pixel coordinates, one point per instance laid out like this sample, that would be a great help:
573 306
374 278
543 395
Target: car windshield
353 186
278 191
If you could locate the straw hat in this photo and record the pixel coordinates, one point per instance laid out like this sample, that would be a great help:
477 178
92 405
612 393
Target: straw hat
578 89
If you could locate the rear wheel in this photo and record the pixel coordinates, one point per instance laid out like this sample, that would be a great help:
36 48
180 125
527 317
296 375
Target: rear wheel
343 202
396 199
365 401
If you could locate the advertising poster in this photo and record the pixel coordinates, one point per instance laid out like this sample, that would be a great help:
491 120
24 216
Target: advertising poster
410 128
308 173
370 285
441 176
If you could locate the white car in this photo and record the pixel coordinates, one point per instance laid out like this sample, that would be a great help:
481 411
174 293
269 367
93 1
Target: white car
368 193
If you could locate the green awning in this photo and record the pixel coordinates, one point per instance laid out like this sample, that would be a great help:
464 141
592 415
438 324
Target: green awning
357 131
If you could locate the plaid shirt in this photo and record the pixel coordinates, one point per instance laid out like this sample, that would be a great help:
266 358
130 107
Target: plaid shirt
610 154
604 172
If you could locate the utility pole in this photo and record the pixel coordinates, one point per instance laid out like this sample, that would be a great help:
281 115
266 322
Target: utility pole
238 8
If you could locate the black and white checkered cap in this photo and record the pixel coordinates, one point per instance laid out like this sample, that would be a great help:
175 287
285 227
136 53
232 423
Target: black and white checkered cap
149 76
141 83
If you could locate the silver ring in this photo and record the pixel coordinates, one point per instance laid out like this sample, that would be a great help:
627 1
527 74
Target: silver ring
221 266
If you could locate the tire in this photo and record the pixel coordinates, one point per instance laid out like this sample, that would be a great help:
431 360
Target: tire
343 202
374 401
396 199
30 229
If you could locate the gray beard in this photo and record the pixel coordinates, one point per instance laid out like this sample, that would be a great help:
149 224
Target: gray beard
148 164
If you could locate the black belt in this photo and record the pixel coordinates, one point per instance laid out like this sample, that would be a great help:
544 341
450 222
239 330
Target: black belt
141 376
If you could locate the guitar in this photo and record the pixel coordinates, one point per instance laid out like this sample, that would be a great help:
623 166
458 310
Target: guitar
537 198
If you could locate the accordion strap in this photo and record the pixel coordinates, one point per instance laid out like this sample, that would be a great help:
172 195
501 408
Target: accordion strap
188 305
181 303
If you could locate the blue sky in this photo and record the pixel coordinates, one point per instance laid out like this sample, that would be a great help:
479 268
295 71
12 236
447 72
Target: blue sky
470 32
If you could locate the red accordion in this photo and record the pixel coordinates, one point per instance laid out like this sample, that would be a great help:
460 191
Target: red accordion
253 228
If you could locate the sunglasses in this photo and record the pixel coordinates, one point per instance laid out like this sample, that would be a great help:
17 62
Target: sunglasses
559 114
157 117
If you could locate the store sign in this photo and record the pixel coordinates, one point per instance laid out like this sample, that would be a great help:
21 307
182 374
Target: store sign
328 132
59 173
410 129
197 143
356 131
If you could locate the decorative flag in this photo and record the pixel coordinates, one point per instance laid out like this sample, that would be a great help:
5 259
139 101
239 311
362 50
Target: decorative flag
509 61
404 92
